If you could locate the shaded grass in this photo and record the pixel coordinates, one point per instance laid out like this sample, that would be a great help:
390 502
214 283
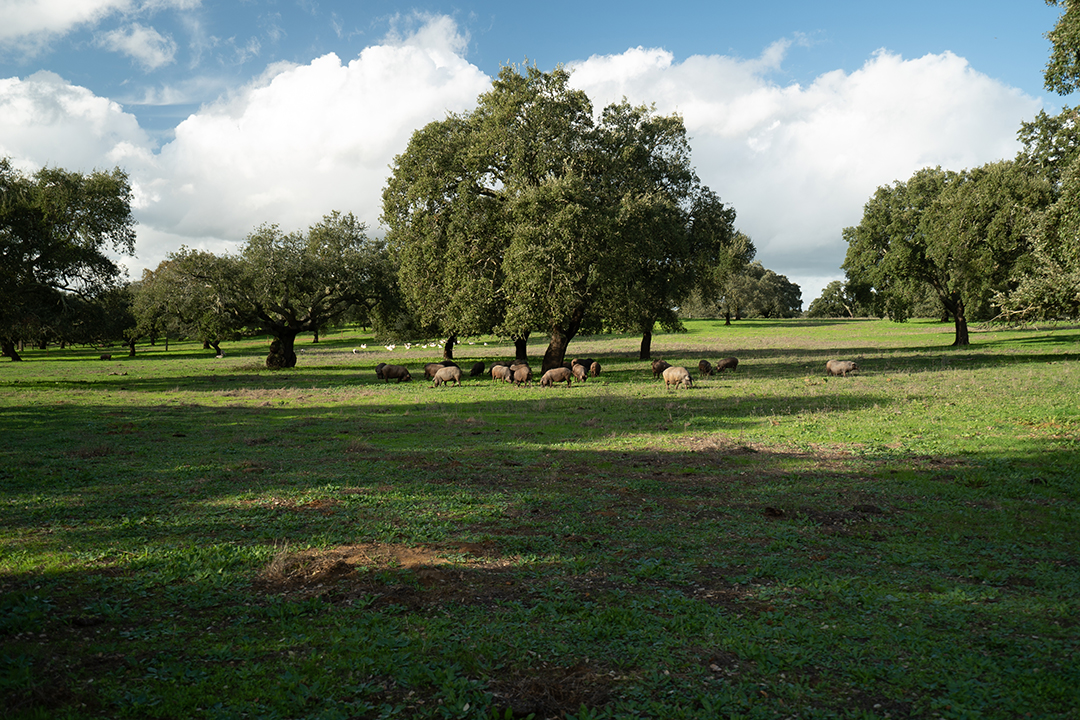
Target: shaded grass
204 538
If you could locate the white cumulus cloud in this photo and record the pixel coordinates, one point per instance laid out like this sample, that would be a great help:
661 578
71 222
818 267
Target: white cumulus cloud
144 44
21 19
307 139
798 163
45 120
28 24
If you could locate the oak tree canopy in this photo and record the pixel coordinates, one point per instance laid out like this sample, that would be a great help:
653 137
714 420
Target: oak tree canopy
530 213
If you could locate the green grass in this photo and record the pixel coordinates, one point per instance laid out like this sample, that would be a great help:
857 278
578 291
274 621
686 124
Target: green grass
190 537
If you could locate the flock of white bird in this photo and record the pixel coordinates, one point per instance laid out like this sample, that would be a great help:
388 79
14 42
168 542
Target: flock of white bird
408 346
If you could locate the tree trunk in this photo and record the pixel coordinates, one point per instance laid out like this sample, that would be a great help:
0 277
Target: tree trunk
131 348
315 336
960 322
217 348
282 350
555 355
7 349
43 345
448 348
727 317
521 348
646 346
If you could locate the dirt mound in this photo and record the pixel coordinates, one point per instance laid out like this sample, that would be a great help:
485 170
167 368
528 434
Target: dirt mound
385 573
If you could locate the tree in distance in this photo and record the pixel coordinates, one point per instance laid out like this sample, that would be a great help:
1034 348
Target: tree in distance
167 301
56 230
525 214
965 235
284 284
836 300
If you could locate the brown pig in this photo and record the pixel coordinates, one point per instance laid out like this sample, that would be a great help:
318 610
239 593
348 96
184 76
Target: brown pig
557 375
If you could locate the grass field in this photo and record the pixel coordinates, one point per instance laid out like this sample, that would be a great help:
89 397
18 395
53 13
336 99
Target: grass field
190 537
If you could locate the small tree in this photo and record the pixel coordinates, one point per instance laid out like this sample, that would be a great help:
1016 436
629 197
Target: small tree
288 283
834 302
170 299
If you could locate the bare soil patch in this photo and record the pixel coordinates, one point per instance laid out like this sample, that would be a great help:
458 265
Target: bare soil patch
383 573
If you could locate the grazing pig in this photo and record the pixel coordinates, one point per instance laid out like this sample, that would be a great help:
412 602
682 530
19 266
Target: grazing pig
840 367
431 368
658 367
557 375
594 369
704 368
450 374
580 372
501 372
106 356
727 364
477 369
583 362
378 371
677 376
522 374
389 372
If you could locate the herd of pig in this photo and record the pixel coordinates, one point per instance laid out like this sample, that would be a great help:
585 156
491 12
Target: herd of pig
519 373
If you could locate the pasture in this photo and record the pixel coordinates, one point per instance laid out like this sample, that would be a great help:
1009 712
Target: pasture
190 537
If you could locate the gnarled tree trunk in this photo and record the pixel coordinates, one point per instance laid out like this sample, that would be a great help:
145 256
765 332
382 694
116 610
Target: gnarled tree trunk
7 349
646 346
521 348
282 350
448 348
561 335
956 307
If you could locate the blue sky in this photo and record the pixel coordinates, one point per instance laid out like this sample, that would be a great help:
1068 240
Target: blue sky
229 114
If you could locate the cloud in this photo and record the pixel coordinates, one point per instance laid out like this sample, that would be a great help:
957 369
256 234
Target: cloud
144 44
21 18
46 121
306 139
798 163
29 24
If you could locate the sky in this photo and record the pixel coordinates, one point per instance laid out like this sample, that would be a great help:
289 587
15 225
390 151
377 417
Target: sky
228 115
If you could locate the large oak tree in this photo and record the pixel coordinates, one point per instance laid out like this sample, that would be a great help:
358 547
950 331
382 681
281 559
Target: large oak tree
57 230
527 214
